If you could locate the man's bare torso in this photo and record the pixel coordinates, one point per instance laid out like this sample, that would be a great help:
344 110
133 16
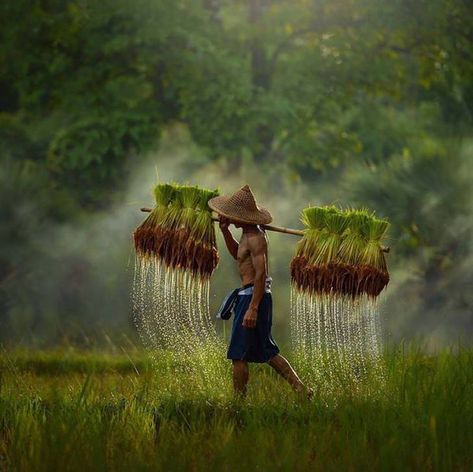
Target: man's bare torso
244 261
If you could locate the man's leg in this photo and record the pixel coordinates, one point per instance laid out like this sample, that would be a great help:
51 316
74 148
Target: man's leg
240 376
283 368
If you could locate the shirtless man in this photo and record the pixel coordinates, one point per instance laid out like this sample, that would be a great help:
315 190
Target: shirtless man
251 334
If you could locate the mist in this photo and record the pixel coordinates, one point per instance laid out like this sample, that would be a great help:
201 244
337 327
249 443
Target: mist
75 288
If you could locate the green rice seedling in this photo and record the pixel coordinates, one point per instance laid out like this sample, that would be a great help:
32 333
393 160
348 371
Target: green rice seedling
373 269
173 214
179 231
332 271
201 245
353 243
340 252
310 269
149 235
203 229
373 254
168 228
336 223
350 251
182 217
188 197
313 219
164 194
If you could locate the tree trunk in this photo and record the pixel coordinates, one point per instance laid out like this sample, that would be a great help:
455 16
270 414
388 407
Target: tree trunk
213 6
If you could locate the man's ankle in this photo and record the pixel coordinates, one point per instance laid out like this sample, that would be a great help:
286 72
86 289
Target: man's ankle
240 394
304 390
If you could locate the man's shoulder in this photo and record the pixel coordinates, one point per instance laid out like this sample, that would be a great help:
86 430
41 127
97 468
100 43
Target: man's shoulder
260 234
257 240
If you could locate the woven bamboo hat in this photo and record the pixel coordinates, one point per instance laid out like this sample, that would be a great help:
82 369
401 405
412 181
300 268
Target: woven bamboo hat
242 207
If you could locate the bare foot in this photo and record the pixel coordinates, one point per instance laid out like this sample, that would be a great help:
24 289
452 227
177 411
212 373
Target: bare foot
307 391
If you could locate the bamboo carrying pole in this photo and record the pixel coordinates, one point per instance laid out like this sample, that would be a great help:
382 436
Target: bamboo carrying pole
278 229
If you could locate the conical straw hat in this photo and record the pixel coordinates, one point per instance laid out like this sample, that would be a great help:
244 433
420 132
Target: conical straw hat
242 207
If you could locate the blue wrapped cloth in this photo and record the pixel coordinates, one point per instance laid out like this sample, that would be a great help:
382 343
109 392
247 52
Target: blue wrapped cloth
250 344
228 305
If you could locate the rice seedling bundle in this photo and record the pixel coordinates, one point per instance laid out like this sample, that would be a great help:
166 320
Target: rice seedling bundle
373 273
176 254
314 220
149 235
179 231
340 253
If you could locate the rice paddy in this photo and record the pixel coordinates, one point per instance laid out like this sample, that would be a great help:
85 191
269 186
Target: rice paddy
73 411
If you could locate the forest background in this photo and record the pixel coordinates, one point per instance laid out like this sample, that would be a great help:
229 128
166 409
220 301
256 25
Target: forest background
356 103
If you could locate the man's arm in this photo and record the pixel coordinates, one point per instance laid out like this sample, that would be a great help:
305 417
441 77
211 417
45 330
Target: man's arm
230 241
258 250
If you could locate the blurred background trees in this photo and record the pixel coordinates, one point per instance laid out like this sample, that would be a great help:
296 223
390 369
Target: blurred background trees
364 102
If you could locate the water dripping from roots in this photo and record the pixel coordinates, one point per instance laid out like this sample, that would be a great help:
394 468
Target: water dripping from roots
337 341
172 315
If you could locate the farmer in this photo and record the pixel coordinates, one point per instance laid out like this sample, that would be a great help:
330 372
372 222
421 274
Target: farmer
251 339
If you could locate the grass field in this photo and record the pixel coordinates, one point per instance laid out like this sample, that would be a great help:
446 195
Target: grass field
71 410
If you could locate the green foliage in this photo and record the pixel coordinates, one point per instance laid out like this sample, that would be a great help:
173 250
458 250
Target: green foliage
92 152
358 100
300 80
427 195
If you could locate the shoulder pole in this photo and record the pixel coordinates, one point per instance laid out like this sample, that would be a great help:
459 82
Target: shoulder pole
278 229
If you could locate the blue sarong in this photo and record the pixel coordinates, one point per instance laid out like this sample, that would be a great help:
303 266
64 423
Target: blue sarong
253 344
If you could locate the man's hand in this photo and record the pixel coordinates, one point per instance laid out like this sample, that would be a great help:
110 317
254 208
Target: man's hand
251 315
230 241
223 222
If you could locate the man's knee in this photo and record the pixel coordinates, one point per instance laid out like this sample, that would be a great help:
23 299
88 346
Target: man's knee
275 360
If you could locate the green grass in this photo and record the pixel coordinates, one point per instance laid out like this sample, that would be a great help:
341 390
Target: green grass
94 411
